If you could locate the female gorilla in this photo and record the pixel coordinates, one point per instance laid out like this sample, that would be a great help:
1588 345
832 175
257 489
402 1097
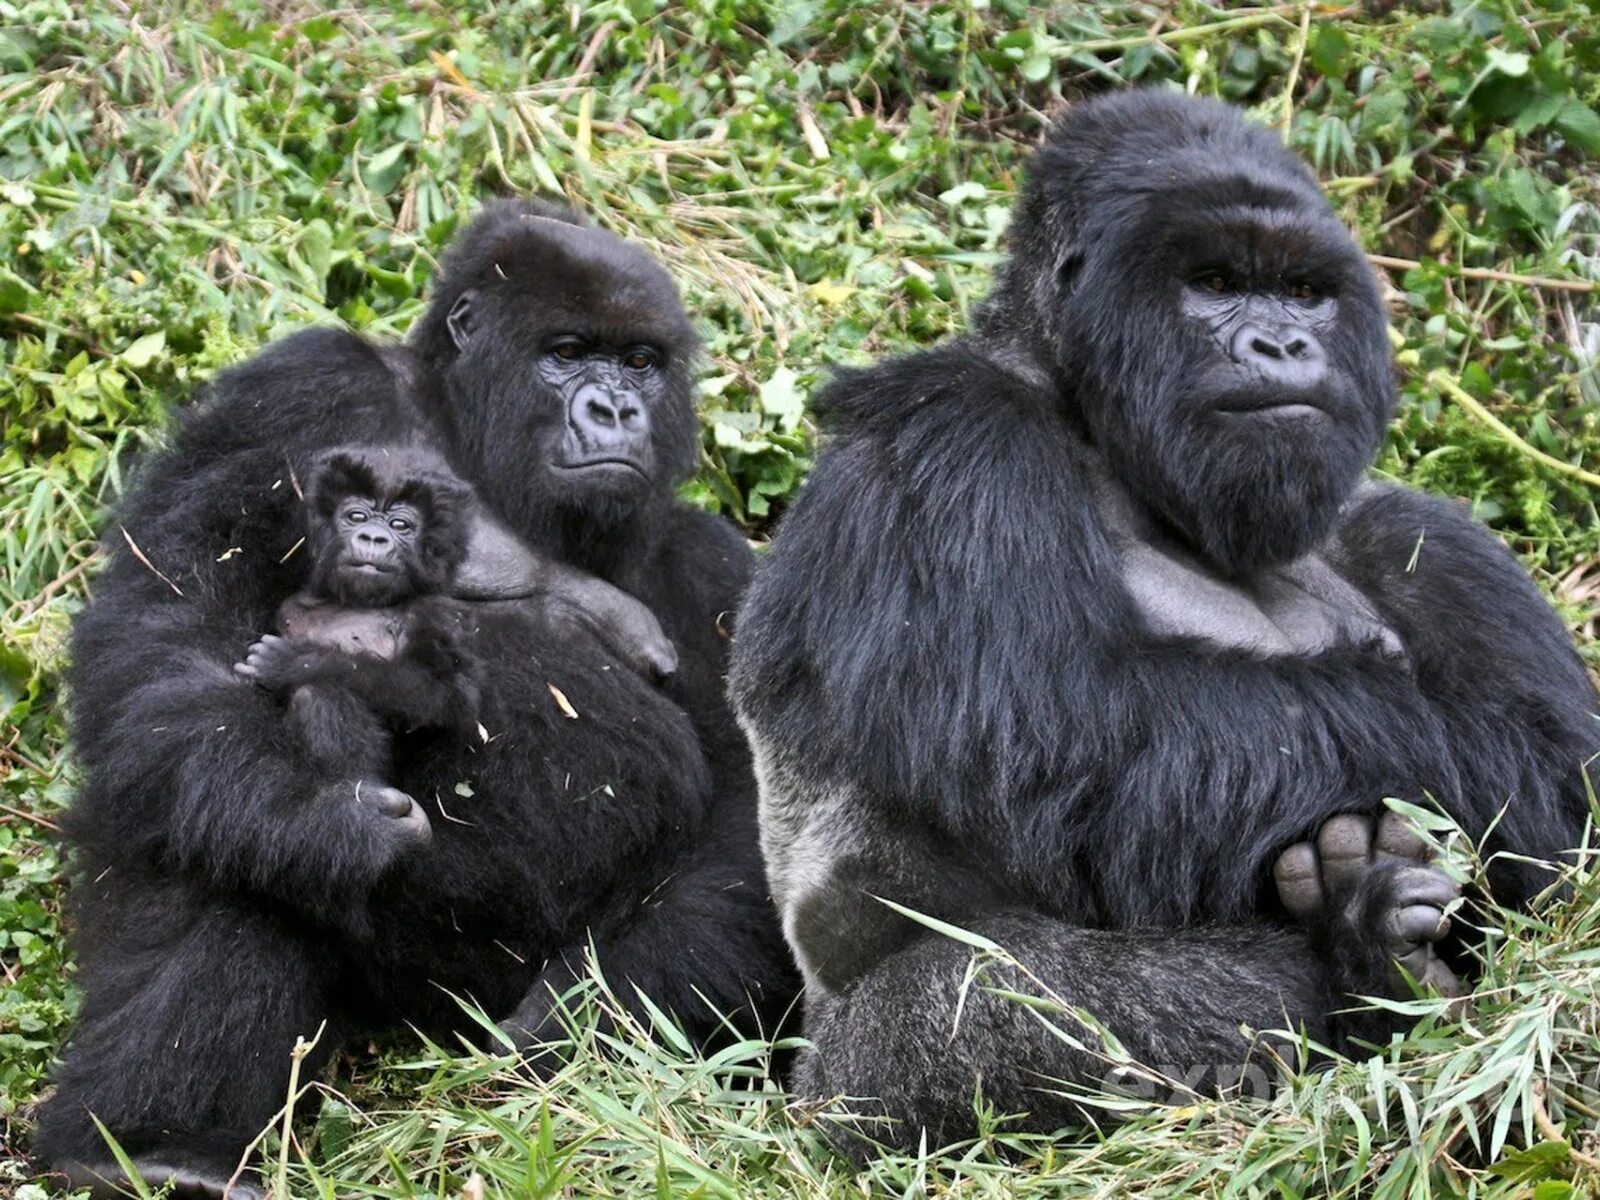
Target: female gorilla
1084 627
231 897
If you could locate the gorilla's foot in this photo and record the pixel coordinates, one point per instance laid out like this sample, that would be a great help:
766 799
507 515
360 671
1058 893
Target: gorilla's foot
107 1181
1374 887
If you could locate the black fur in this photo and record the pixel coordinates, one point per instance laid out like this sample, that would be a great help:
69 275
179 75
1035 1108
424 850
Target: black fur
960 700
226 903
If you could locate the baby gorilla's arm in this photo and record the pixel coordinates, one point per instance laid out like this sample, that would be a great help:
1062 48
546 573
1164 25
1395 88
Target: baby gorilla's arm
499 566
624 625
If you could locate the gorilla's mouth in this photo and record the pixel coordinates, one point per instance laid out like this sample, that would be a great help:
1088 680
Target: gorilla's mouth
371 568
606 465
1282 409
1273 402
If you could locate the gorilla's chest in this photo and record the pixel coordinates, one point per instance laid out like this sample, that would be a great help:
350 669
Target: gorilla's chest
379 632
1300 609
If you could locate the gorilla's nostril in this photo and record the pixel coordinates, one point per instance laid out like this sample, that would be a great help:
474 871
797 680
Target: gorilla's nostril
602 414
1298 347
1266 347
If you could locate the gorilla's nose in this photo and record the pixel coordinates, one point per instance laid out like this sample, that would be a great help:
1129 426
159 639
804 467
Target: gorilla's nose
373 538
607 417
1286 354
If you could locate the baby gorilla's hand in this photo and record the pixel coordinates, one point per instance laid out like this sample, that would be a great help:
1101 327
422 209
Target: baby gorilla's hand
276 663
1373 888
624 626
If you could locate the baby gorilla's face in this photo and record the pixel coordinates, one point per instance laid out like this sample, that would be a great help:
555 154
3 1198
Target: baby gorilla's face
371 553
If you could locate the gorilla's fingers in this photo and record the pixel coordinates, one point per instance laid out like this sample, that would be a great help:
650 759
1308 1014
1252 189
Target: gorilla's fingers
1430 971
1424 885
1417 923
1344 845
391 802
1299 882
663 661
386 800
397 806
1437 975
247 668
1397 839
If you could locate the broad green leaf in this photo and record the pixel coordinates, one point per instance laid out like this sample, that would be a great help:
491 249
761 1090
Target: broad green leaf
144 350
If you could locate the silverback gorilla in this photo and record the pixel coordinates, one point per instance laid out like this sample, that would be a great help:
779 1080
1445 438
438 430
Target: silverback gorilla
231 897
1085 624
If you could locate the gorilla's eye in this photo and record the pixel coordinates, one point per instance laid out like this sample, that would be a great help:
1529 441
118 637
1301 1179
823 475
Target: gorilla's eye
355 515
1304 292
639 360
567 351
1216 282
400 525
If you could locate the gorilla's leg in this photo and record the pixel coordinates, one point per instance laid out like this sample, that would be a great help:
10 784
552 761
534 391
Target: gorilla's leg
183 1047
904 1035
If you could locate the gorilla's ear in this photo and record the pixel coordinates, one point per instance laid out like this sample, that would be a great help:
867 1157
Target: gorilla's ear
447 505
1069 261
461 321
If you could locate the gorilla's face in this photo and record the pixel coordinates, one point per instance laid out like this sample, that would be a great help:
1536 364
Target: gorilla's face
1213 324
383 525
1238 374
566 360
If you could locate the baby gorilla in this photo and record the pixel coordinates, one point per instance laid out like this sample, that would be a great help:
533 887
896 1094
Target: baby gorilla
372 642
375 640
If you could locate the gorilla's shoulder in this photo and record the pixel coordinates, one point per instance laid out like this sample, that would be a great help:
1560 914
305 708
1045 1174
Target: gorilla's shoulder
928 463
312 388
1440 573
942 425
959 385
1386 520
314 368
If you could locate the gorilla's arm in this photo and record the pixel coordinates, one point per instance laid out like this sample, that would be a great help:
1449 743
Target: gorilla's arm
186 763
1488 646
707 933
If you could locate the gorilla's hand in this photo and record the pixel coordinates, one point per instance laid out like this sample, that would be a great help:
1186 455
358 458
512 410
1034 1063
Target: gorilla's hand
403 816
499 566
362 828
1375 893
394 822
279 664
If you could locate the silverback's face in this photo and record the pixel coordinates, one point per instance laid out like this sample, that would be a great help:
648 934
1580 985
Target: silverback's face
1234 355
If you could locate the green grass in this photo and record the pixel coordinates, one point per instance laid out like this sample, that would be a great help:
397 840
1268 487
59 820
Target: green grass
829 181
